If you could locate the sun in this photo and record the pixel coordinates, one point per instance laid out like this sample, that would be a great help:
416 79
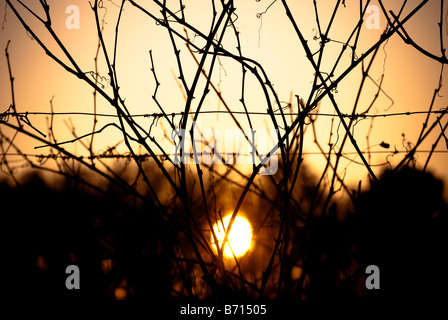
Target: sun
240 236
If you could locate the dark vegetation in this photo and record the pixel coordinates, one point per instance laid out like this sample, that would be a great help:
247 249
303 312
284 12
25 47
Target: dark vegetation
399 224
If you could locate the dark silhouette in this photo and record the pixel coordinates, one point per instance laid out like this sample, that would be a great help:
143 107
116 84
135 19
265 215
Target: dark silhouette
399 225
403 230
46 230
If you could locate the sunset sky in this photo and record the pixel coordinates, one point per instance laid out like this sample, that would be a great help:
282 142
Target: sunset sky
410 77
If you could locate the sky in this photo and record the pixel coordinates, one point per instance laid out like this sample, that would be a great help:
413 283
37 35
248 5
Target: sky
267 36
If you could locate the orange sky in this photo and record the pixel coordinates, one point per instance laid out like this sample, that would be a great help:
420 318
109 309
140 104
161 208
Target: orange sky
410 77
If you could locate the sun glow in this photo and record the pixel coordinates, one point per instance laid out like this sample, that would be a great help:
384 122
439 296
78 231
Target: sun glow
240 236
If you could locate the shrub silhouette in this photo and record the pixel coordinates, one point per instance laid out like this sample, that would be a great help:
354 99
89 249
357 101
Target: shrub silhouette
47 230
398 225
402 227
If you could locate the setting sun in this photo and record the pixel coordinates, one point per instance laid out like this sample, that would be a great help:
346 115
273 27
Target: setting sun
240 236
